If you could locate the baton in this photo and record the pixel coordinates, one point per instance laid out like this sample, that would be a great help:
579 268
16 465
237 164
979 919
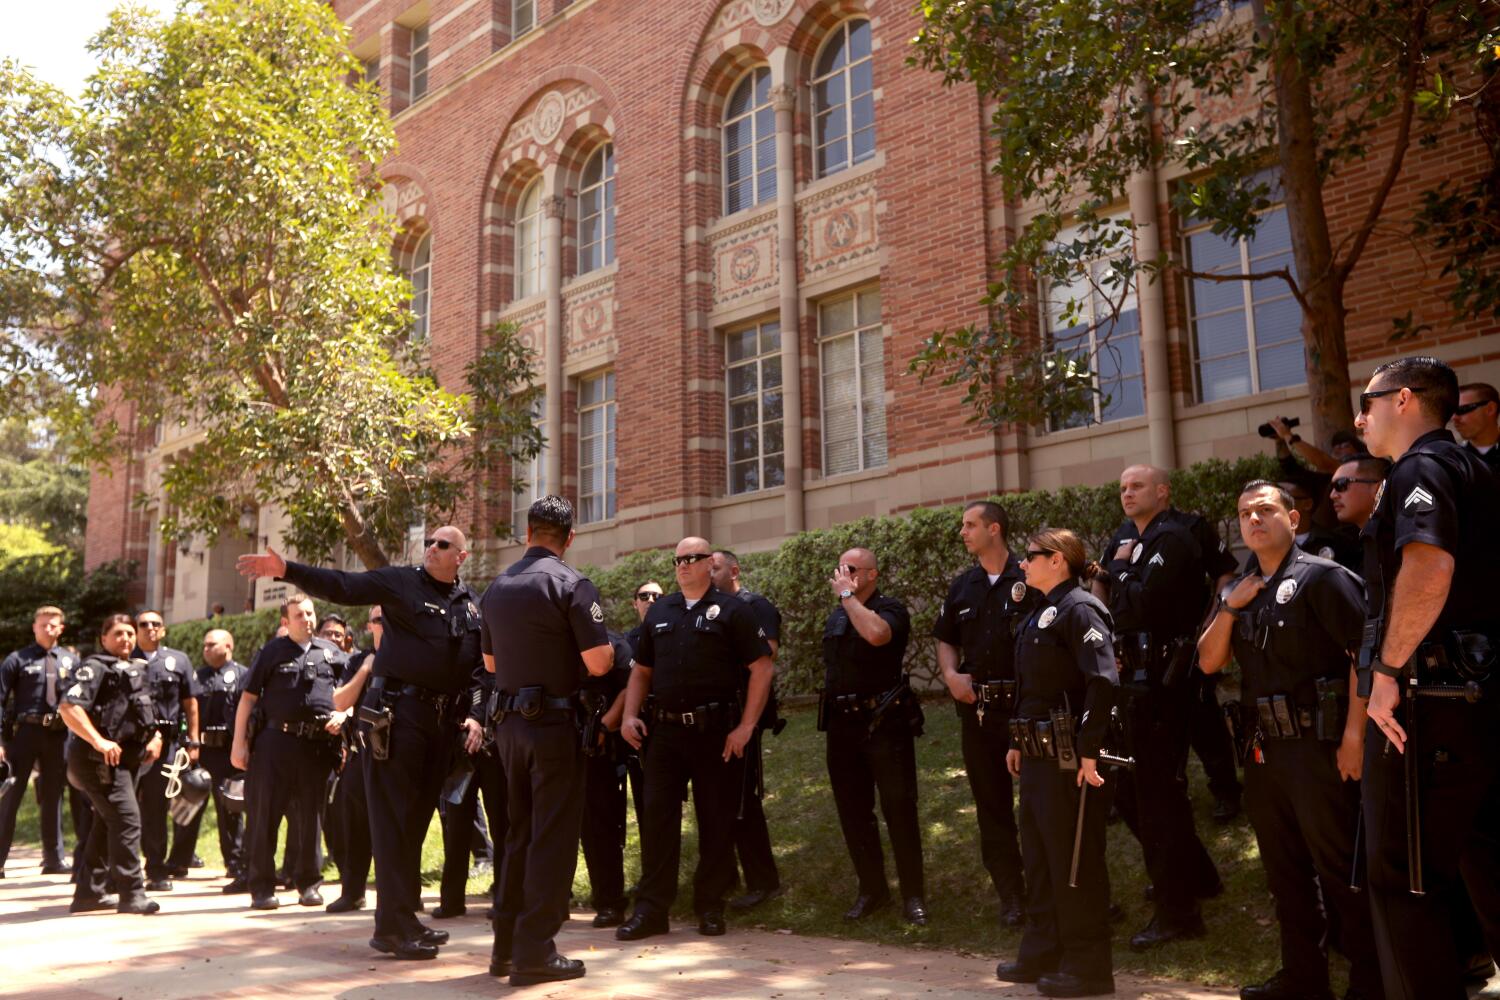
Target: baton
1104 759
1413 799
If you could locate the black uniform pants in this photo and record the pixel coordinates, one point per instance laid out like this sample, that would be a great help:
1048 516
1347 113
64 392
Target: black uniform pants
1153 801
1304 817
33 745
83 818
861 764
151 787
1457 749
231 824
984 749
1210 737
752 837
402 793
544 780
349 828
461 826
676 756
287 776
603 833
112 856
1067 928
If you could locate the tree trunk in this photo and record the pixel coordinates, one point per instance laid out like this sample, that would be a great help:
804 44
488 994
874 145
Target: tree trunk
361 539
1323 312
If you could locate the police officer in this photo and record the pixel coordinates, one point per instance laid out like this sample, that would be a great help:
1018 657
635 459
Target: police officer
644 597
603 834
1355 486
1290 624
704 658
1157 589
1339 544
110 710
32 679
1477 421
868 712
475 771
976 633
349 810
293 753
219 682
752 837
1066 681
542 620
1431 788
172 685
425 660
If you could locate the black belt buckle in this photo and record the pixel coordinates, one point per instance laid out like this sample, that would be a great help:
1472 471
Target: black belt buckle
688 719
529 702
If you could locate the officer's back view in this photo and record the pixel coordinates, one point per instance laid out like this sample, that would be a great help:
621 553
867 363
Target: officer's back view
542 621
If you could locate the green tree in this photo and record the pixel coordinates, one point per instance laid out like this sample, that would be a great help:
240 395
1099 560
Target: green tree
1088 94
201 235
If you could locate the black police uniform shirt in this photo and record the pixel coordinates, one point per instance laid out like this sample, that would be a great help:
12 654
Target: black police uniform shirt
1490 456
850 664
767 616
700 655
219 694
1217 559
538 618
634 636
23 682
980 619
1299 629
294 685
431 636
172 682
1441 495
1160 585
1065 658
618 678
1342 546
116 694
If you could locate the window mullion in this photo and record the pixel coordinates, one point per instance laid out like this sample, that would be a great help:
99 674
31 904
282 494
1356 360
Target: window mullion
1252 355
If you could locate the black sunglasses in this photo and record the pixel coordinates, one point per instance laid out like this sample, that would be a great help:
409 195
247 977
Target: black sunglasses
1038 553
1365 398
149 625
377 620
646 595
691 558
1341 484
442 543
1471 407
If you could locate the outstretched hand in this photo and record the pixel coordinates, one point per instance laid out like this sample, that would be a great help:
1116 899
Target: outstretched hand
268 563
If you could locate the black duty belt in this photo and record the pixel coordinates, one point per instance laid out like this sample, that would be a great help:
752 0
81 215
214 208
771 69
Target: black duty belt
405 689
305 730
851 704
714 715
215 737
48 720
520 704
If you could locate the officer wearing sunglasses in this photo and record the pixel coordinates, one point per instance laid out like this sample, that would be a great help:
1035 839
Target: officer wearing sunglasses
1477 421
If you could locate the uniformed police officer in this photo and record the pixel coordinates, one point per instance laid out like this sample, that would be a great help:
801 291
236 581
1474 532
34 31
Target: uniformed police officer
172 685
752 837
867 711
1066 681
1341 544
477 770
976 633
426 659
1477 421
110 710
603 834
294 675
1157 590
1431 802
219 682
31 681
349 809
1291 623
704 659
542 621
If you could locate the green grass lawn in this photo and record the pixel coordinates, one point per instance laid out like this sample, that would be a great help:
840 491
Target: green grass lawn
819 878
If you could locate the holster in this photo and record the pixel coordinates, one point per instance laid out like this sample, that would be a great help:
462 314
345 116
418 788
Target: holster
379 737
593 704
1063 739
1235 723
1333 699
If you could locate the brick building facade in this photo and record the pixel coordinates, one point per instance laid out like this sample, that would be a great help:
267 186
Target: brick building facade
707 216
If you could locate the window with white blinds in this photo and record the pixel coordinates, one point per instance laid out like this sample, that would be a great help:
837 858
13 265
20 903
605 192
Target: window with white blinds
596 448
851 354
752 374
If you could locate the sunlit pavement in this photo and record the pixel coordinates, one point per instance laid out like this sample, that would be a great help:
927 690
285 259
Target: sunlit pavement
206 944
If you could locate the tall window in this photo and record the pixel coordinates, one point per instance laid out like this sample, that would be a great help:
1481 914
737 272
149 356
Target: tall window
844 100
415 262
419 51
749 143
852 354
1234 322
372 71
1081 320
752 367
596 448
522 17
529 242
596 211
532 473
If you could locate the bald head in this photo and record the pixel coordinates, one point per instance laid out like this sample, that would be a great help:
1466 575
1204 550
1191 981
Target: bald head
693 564
218 647
859 558
1145 491
444 553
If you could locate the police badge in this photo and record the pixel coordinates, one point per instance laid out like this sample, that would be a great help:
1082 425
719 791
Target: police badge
1048 617
1018 592
712 612
1286 591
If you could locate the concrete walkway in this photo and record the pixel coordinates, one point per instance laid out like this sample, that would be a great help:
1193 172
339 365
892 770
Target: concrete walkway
205 944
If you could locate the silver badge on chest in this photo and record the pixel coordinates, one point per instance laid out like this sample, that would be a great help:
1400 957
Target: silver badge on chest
1286 591
712 612
1048 617
1018 592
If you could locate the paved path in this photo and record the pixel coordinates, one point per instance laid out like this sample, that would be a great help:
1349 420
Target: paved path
205 944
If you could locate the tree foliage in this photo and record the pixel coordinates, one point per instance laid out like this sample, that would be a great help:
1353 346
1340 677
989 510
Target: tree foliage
200 238
1256 104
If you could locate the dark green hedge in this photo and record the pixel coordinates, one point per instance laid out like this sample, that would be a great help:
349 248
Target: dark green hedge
251 631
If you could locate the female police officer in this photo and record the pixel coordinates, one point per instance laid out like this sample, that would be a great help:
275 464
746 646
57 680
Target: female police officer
110 711
1065 682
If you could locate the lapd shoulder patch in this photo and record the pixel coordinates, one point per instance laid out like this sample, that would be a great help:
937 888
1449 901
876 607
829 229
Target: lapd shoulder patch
596 612
1018 592
712 612
1048 617
1286 591
1326 552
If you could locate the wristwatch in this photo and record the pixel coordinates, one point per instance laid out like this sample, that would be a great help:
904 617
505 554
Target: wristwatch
1225 607
1385 669
845 594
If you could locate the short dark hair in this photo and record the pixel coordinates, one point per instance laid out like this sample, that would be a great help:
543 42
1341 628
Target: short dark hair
551 517
1369 466
1346 437
1483 390
110 621
1287 503
149 611
1433 382
339 619
295 597
992 513
729 557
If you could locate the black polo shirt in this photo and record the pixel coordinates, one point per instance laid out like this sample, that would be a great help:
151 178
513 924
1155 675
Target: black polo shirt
294 685
699 655
1065 657
850 664
539 616
980 619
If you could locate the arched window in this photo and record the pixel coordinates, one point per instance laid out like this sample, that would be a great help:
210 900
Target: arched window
528 261
596 211
415 262
844 100
749 143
